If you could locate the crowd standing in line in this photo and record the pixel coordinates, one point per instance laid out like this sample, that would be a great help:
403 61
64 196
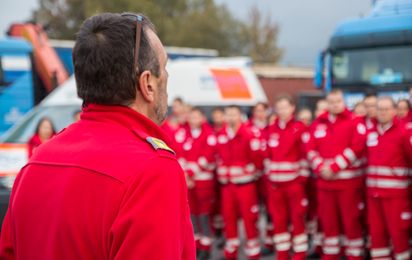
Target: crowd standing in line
332 184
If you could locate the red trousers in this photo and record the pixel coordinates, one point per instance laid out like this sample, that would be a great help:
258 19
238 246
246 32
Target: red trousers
341 212
201 200
216 213
389 219
262 185
313 204
240 201
289 204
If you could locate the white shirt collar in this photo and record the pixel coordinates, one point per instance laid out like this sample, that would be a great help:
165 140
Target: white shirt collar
230 132
259 124
331 118
281 124
195 132
384 129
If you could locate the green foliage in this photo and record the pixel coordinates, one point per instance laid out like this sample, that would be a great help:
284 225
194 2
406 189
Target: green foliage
184 23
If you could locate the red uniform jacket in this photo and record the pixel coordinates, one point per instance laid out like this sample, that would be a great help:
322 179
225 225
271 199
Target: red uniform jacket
286 152
237 156
341 145
389 153
178 139
101 189
198 155
259 130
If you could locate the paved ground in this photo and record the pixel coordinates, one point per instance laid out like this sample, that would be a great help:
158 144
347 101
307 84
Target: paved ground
217 253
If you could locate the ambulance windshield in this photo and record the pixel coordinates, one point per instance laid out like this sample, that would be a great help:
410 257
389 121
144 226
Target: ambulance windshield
61 117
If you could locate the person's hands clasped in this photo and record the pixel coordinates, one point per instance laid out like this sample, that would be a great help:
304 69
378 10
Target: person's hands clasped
327 173
190 182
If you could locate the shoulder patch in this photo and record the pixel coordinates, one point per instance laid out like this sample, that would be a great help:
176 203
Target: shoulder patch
159 144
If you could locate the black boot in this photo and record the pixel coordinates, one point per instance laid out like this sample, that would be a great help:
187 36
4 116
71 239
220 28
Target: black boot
221 243
265 251
218 233
203 255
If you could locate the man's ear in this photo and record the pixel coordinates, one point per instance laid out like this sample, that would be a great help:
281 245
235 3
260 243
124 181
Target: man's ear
146 85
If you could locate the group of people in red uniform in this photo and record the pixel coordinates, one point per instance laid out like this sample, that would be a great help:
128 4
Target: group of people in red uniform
341 180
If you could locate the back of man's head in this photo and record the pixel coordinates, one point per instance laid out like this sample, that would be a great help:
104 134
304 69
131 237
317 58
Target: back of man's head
103 58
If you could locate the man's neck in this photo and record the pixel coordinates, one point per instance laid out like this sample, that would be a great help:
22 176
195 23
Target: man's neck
332 117
261 120
285 120
193 128
218 125
235 127
144 110
385 125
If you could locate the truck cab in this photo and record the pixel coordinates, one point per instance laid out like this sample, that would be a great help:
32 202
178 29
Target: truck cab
371 53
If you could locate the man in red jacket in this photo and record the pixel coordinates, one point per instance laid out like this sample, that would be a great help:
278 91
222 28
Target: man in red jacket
218 126
198 161
336 144
288 172
238 152
370 101
107 187
389 210
258 124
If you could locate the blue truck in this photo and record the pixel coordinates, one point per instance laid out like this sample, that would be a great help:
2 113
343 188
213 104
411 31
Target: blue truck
370 54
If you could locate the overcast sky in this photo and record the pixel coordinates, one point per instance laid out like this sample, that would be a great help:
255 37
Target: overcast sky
305 25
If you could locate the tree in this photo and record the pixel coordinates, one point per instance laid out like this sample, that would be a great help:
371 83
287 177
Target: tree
184 23
61 18
260 38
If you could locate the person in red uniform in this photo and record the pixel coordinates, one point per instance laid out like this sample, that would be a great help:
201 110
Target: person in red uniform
389 152
218 126
403 108
314 226
258 124
198 161
336 144
171 123
44 132
407 121
305 116
238 152
288 172
218 120
107 187
370 102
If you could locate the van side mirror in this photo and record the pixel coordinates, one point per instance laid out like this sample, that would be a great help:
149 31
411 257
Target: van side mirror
317 80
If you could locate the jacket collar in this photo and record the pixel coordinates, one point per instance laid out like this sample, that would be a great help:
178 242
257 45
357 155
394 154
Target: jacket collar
345 114
124 117
282 125
382 130
239 132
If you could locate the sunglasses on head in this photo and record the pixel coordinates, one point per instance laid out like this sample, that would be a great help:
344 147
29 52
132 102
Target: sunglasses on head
137 44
